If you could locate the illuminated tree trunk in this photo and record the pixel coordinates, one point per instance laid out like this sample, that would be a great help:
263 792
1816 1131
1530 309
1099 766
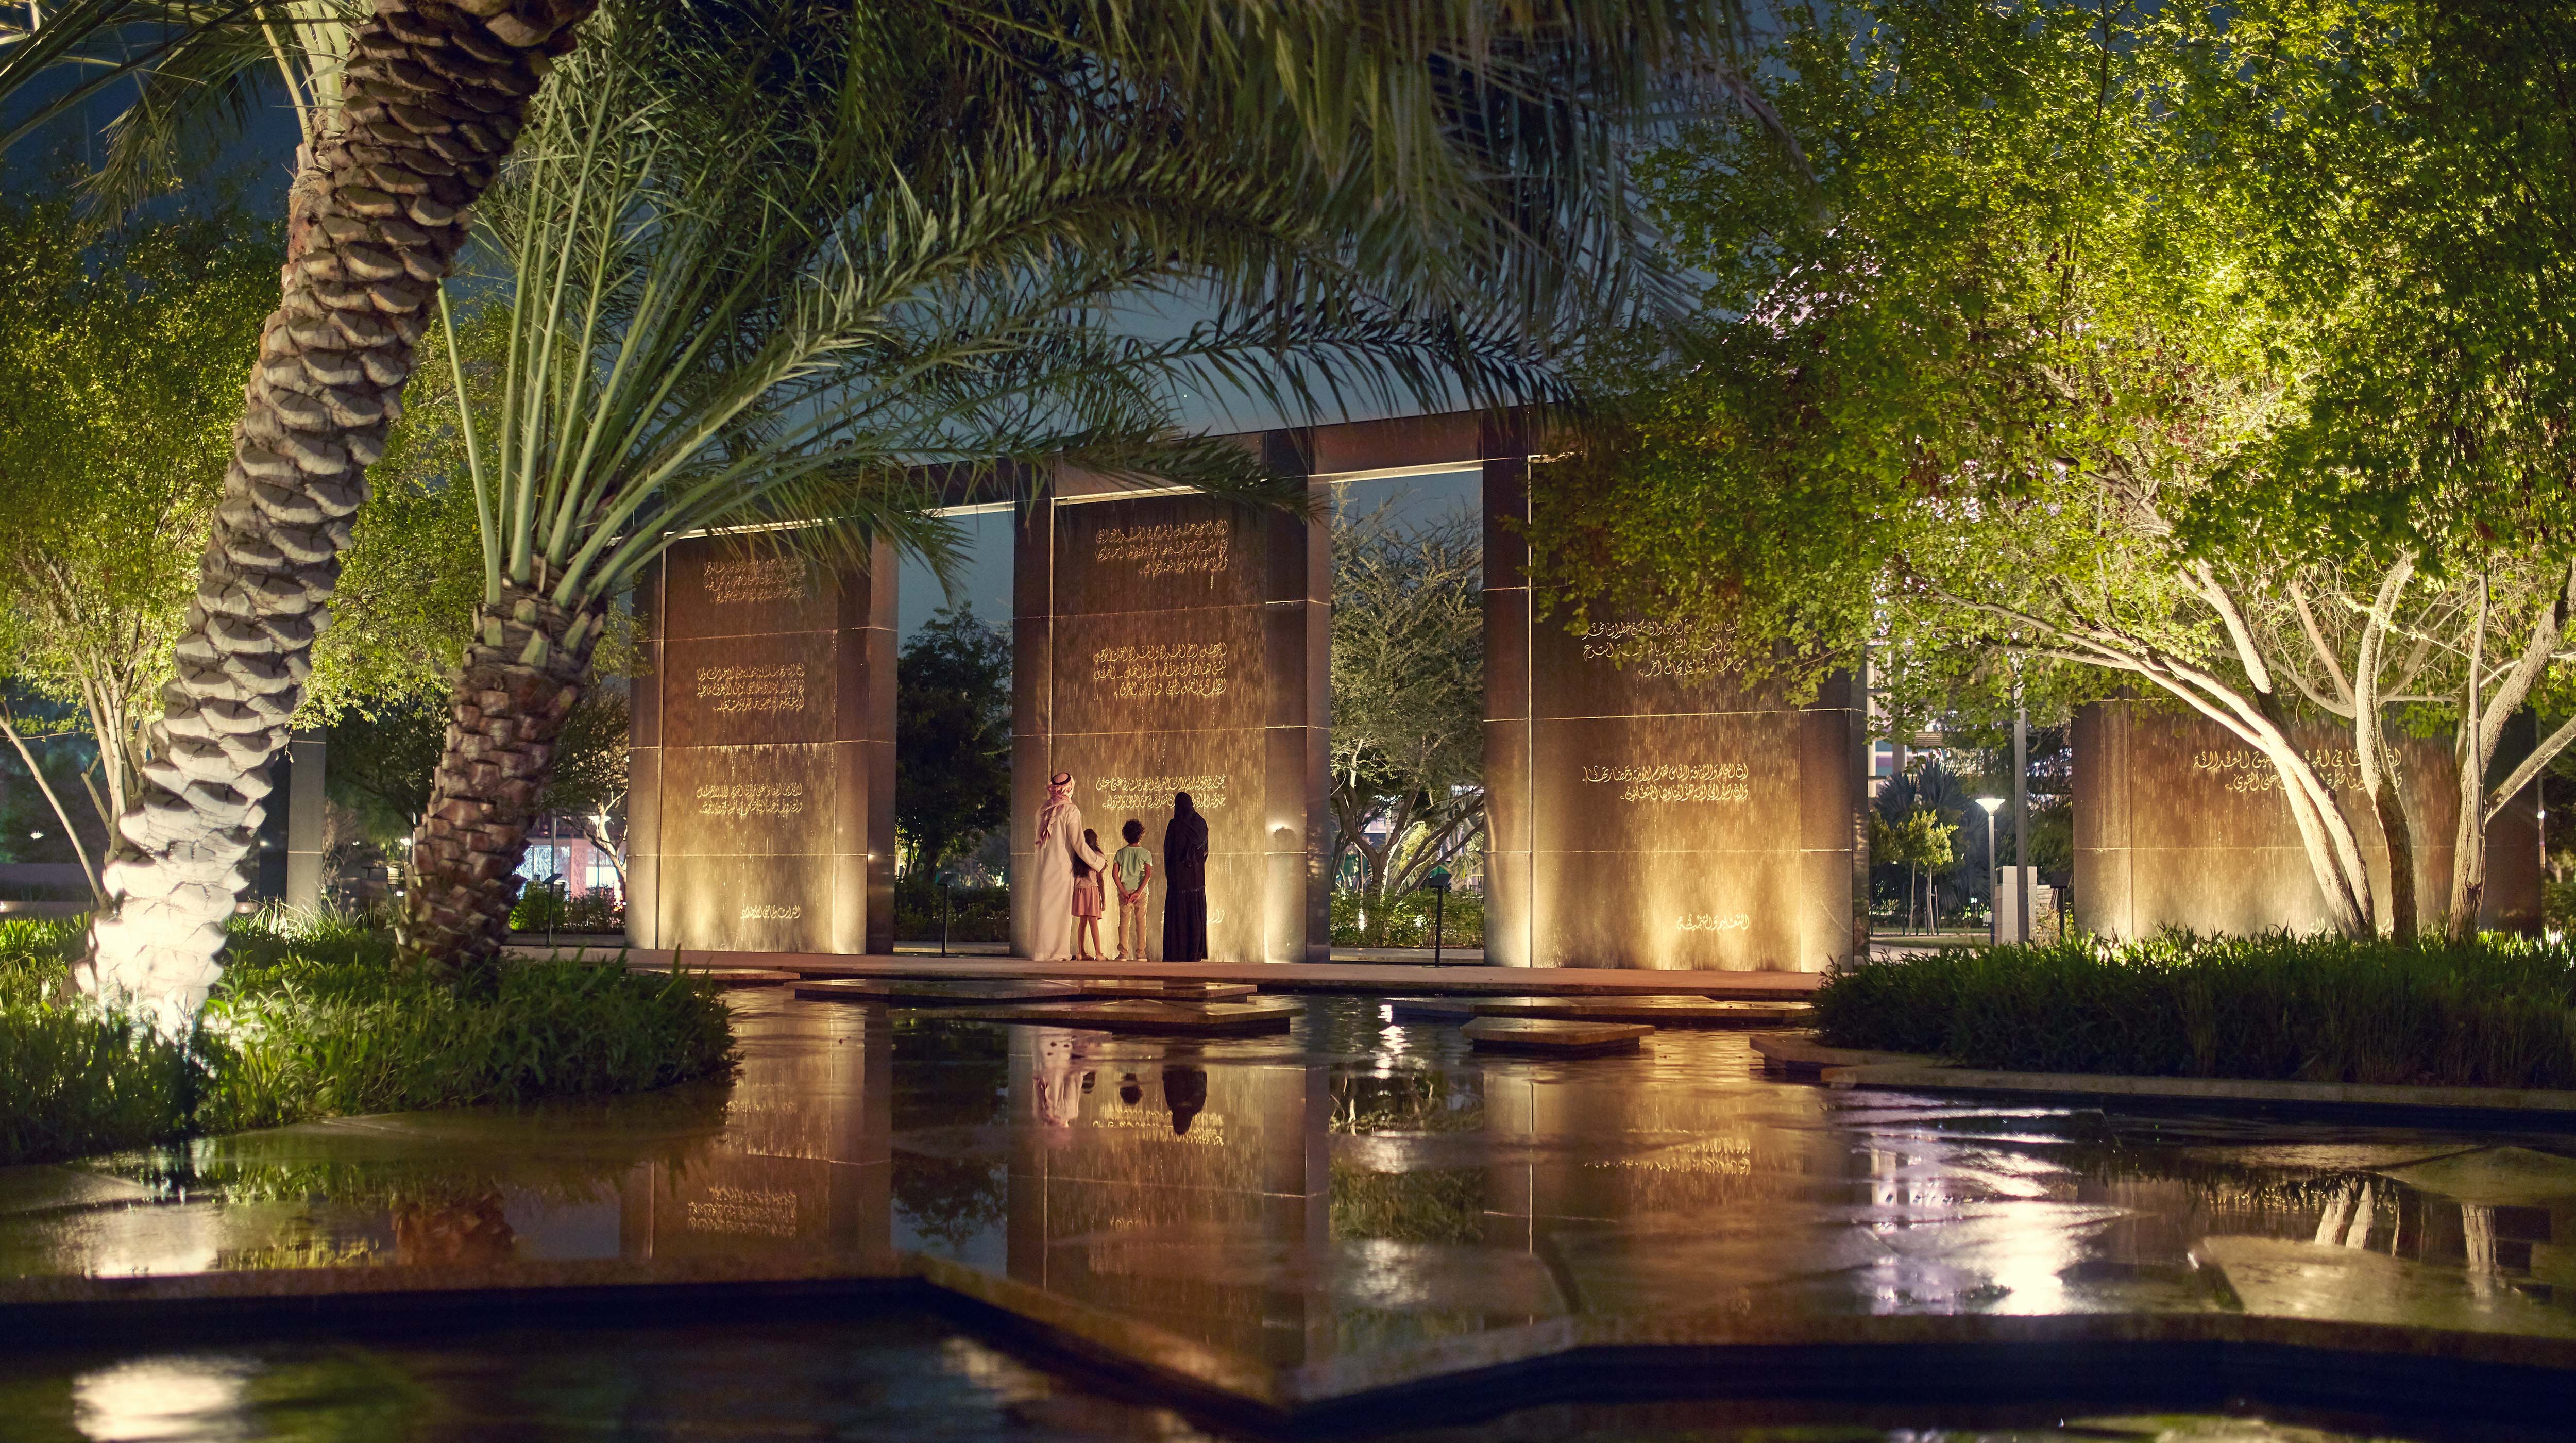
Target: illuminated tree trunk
520 683
435 94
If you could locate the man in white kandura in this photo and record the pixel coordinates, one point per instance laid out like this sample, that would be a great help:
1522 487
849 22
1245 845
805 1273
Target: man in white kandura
1059 842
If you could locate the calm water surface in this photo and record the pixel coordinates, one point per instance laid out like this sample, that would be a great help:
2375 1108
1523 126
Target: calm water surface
1355 1187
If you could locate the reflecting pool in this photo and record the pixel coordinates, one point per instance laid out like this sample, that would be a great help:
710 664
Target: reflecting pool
1355 1189
899 1378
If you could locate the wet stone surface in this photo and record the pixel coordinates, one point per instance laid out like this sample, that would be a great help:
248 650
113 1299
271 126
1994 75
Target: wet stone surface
1361 1184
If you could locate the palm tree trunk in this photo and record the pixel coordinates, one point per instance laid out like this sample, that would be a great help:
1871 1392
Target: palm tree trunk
435 97
506 712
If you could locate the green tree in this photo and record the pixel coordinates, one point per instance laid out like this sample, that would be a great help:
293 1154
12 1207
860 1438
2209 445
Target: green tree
2022 385
380 759
119 376
2409 164
1923 843
761 274
952 751
1408 666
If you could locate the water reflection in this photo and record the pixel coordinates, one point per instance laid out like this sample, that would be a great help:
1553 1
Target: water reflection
1362 1184
899 1377
161 1398
1335 1192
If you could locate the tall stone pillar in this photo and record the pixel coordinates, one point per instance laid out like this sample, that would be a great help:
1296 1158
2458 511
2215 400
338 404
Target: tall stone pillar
760 804
304 819
1508 914
1646 809
2178 823
1167 643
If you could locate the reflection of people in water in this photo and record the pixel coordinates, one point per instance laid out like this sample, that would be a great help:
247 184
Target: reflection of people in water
1185 1093
454 1230
1185 854
1059 1081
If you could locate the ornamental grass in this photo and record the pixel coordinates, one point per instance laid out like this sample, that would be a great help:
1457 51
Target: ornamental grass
312 1020
2495 1012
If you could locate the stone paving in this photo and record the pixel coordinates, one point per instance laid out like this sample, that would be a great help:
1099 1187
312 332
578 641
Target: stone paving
1358 1202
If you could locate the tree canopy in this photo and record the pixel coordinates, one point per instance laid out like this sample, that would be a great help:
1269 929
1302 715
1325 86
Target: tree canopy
2046 381
120 370
952 751
1408 678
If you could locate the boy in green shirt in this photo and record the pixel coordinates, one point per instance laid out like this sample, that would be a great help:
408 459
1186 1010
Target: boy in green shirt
1130 867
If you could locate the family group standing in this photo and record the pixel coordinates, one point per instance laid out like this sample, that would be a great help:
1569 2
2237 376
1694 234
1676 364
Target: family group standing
1068 876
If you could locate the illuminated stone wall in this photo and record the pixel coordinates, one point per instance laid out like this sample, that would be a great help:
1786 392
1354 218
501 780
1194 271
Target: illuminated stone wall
761 816
2179 824
1647 810
1169 644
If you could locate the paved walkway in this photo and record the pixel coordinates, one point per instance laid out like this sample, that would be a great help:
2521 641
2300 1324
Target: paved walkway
1363 977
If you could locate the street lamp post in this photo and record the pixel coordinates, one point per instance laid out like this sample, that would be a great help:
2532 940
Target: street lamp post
1994 875
1437 884
947 879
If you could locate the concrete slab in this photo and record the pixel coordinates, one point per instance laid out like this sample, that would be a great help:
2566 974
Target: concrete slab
1801 1052
42 1188
1688 1011
909 992
747 976
2278 1277
2495 1177
1190 1019
1555 1036
1176 988
1932 1077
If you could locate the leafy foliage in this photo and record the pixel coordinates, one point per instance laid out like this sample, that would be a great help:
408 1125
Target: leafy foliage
120 375
952 754
2057 380
761 272
313 1021
973 914
2496 1012
1408 679
1404 920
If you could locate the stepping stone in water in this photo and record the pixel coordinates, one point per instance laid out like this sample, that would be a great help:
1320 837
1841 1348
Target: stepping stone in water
913 992
742 976
1195 1019
1556 1037
1182 989
1679 1011
1433 1009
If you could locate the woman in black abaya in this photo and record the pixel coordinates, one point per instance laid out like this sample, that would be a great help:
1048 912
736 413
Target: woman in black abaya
1185 850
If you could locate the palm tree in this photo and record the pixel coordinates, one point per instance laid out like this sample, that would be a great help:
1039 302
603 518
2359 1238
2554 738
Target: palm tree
432 99
759 277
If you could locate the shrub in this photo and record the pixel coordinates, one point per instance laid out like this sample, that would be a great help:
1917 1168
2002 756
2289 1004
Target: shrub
978 914
312 1020
2497 1012
546 908
1407 921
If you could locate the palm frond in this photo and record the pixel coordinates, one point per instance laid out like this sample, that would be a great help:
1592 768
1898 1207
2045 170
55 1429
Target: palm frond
106 41
777 273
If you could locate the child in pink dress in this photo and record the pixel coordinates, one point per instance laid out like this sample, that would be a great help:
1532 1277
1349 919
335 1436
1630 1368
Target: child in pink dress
1086 903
